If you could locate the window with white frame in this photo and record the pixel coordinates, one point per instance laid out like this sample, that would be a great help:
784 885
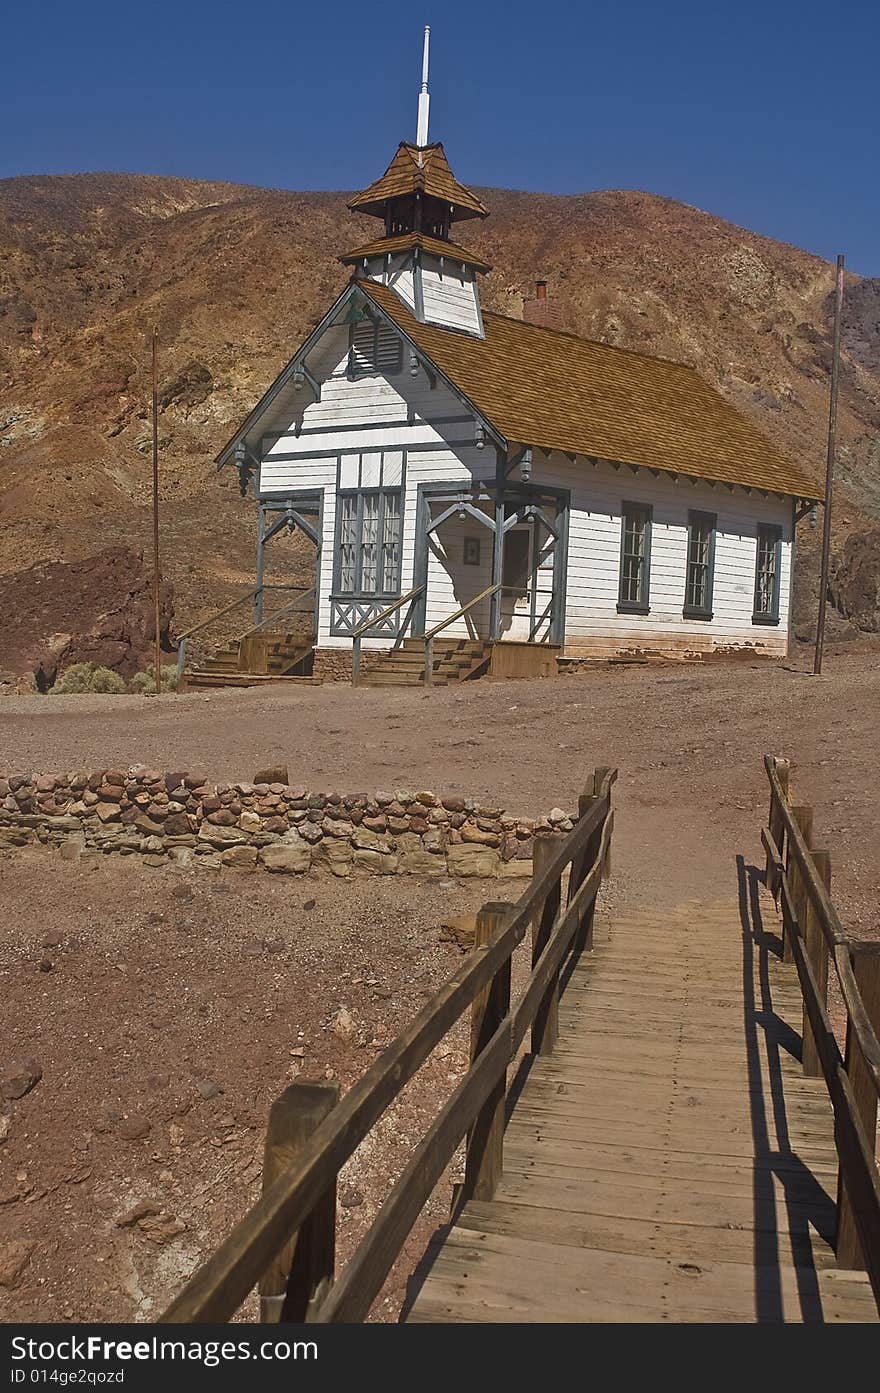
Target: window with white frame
368 542
635 559
700 565
768 561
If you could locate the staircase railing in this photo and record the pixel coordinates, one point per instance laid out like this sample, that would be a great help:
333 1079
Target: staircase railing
431 634
286 1241
371 623
183 639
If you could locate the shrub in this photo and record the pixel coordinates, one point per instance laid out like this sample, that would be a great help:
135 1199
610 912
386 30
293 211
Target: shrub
145 682
85 677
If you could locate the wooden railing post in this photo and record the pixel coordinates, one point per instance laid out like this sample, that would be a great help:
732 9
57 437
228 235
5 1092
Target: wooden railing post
545 1026
429 661
581 865
355 660
302 1272
485 1143
866 967
803 816
816 949
775 821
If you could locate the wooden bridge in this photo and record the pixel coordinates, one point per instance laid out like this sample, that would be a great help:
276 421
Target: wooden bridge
683 1138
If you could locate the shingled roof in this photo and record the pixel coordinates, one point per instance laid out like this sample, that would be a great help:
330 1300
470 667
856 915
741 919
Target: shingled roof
557 391
423 168
407 241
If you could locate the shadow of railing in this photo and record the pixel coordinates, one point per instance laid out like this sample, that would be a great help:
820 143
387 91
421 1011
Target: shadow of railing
806 1204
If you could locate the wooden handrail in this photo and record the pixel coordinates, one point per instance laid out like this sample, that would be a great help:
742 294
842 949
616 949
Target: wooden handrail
203 623
216 1290
444 624
799 876
451 618
285 609
838 940
357 634
221 613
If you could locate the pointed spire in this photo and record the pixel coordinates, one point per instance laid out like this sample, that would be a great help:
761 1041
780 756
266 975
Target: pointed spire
424 98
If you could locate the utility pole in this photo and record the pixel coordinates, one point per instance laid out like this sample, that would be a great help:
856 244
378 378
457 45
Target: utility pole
156 602
829 469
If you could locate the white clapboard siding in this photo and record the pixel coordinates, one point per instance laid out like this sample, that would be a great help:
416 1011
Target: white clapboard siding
592 621
450 296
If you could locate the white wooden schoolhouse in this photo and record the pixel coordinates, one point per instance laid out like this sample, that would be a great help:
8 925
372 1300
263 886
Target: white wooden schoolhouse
484 492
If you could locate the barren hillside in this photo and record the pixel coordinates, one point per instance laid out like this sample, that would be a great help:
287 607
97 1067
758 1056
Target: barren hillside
234 277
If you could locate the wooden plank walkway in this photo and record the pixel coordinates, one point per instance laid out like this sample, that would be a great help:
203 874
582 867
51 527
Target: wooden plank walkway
669 1161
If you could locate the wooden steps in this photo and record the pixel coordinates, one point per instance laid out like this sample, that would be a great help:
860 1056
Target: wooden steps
277 656
455 660
669 1161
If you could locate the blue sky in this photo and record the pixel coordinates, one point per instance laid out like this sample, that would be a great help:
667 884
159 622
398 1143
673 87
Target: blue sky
763 113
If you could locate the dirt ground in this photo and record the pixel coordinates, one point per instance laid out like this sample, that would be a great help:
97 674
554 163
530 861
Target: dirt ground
167 1008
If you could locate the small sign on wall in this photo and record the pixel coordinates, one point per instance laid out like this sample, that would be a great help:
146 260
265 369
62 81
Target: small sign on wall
472 551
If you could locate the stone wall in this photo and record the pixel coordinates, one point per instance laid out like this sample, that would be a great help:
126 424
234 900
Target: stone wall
334 664
274 826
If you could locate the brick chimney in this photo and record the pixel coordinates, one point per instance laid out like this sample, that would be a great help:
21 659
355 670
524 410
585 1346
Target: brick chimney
542 310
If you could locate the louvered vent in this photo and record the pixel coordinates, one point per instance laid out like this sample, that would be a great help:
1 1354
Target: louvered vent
375 348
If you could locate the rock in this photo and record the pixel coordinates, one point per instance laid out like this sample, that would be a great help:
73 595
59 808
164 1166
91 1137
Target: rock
108 812
335 854
134 1127
72 848
469 859
132 1216
413 859
208 1089
221 837
291 856
558 815
14 1258
350 1198
365 840
5 1127
275 774
471 833
310 904
343 1026
250 822
376 862
460 929
162 1227
19 1076
454 805
240 858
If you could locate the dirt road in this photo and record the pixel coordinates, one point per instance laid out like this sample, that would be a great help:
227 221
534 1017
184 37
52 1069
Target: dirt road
688 742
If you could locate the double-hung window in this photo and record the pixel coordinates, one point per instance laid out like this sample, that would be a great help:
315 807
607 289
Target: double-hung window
768 562
368 546
635 559
700 566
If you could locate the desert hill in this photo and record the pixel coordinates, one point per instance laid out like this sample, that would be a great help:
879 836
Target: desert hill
235 276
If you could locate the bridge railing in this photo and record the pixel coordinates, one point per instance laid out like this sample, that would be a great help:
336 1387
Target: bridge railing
799 877
286 1242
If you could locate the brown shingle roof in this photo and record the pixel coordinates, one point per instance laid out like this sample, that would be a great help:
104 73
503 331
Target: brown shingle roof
407 241
557 391
425 168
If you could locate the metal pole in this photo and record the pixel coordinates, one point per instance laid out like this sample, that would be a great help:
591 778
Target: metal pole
829 469
156 512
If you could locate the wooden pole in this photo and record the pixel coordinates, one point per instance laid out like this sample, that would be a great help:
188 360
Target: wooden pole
545 1027
816 949
301 1274
484 1159
829 469
156 581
